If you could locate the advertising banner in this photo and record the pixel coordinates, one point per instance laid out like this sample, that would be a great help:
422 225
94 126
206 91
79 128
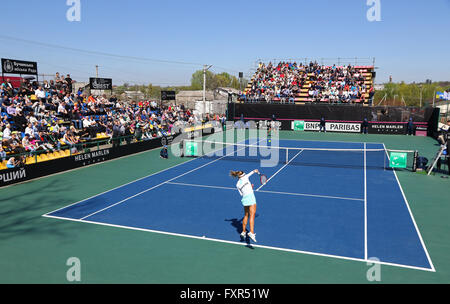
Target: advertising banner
11 66
386 128
100 83
334 127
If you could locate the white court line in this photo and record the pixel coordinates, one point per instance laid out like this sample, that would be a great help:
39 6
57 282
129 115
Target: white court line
260 246
365 203
159 185
121 186
411 215
202 186
243 244
280 170
333 141
271 192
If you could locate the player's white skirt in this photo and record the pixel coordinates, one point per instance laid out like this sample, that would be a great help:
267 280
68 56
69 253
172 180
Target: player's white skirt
249 200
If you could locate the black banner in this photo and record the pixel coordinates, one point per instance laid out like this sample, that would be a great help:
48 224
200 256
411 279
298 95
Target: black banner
343 113
168 95
29 172
11 66
100 83
387 128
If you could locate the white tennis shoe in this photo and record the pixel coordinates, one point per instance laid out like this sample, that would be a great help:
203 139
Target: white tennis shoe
252 237
243 235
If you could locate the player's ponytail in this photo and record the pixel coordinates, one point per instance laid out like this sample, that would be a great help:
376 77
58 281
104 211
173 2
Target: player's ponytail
236 173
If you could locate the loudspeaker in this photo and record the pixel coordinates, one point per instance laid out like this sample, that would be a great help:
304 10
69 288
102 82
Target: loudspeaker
241 75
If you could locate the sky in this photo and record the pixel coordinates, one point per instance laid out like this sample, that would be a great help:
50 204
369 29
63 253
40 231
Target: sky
165 42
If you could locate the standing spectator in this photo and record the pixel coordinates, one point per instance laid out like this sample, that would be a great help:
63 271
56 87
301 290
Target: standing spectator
365 126
116 134
410 127
127 134
69 82
323 125
164 153
371 95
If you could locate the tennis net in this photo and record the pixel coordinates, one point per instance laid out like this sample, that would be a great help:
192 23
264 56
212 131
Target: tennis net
271 155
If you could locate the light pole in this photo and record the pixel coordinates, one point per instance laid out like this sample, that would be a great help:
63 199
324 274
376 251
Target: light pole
421 94
205 68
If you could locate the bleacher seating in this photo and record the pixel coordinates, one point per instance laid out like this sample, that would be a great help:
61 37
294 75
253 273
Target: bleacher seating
288 82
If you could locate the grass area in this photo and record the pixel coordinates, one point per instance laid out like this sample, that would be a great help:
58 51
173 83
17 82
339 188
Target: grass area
34 249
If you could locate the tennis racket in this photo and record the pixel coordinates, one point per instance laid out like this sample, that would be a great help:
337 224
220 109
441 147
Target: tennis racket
263 179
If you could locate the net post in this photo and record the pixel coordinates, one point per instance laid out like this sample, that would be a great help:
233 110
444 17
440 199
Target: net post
182 145
416 156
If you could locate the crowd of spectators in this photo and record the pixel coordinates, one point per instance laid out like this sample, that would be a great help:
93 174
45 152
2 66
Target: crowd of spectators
338 84
50 116
284 82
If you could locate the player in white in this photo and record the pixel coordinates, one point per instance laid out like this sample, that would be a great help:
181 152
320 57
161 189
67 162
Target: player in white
248 201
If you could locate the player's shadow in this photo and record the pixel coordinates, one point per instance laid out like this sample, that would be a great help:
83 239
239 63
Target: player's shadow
237 224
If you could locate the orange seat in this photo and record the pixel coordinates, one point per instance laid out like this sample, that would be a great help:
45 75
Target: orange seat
30 160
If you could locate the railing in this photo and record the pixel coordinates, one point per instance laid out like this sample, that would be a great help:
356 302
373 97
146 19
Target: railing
287 100
354 61
42 155
66 150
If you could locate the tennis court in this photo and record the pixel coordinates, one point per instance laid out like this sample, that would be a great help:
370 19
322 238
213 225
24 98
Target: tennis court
331 199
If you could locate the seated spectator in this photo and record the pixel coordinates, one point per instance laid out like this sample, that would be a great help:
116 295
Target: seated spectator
40 93
13 163
43 142
67 139
7 132
27 145
2 153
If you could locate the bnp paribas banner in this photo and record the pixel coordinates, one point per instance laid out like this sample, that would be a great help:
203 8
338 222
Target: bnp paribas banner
330 126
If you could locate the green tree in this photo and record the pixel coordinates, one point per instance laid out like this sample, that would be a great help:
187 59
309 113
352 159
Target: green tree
197 80
214 81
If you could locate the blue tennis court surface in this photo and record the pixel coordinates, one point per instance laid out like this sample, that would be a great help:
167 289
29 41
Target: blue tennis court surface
337 205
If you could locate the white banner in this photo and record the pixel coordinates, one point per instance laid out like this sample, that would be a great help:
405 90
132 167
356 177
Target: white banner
334 127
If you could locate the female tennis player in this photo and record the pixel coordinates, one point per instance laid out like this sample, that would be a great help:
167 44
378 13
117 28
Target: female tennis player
248 200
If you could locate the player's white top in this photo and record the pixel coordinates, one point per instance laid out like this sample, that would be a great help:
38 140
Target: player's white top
244 186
